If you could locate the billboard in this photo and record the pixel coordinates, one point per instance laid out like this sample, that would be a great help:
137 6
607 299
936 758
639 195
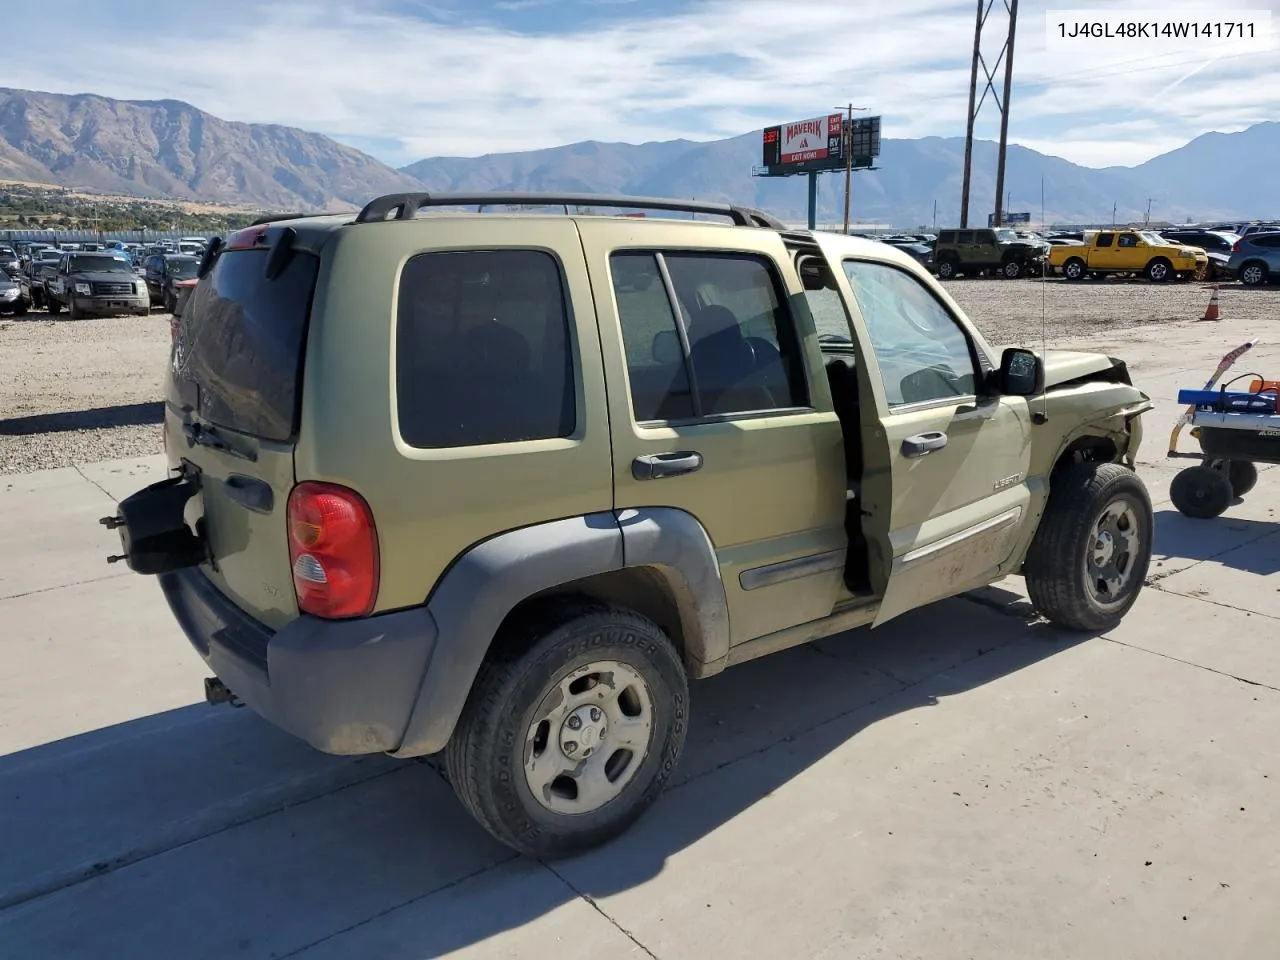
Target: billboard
819 143
818 139
1024 217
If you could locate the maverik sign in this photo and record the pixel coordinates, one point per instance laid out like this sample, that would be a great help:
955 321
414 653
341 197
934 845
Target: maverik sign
816 139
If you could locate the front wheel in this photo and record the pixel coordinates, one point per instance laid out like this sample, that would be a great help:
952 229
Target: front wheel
1202 492
1090 555
946 269
1159 270
570 735
73 310
1012 270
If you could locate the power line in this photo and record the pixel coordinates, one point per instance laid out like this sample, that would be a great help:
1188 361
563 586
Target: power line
1108 72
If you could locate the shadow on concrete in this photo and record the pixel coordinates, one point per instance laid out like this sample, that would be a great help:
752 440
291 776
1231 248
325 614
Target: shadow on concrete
291 850
120 415
1219 539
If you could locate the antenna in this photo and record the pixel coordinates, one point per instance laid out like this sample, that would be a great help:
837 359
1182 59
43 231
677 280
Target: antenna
1043 416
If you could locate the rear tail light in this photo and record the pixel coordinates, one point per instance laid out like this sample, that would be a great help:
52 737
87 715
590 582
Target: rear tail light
333 547
1235 247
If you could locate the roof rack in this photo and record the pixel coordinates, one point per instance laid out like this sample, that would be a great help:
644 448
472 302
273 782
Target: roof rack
405 206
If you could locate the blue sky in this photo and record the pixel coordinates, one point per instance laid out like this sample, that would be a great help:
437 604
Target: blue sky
405 79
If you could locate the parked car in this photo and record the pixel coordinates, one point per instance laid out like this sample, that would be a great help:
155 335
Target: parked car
922 253
162 272
1217 245
699 483
10 264
12 298
96 284
42 269
973 252
1255 259
1129 252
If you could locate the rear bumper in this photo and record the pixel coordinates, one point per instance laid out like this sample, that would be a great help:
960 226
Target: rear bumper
346 687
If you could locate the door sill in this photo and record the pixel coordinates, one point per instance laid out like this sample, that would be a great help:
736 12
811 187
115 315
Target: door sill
857 612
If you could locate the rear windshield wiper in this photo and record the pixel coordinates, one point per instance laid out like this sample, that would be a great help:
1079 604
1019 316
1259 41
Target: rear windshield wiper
198 435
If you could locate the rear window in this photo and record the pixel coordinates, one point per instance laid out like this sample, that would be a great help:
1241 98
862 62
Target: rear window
240 343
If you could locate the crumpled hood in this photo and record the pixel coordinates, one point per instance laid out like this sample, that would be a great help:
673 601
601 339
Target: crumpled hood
1061 366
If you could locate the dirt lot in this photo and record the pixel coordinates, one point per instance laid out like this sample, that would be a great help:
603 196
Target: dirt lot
76 392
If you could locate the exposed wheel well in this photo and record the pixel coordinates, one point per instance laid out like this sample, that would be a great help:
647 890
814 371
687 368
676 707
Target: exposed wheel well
648 591
1086 450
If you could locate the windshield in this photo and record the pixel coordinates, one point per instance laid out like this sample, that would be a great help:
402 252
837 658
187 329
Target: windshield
99 265
1153 238
48 255
182 269
1006 236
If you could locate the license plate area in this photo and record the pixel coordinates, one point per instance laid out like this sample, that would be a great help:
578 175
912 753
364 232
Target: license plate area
161 527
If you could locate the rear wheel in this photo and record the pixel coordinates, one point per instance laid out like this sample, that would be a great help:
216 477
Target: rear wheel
572 728
1074 269
1253 274
1242 475
1201 492
1091 551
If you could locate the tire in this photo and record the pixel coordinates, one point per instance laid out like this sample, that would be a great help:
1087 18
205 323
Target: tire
1159 270
1254 273
1089 558
946 269
21 309
1074 269
169 305
1011 270
1201 492
525 695
1241 474
73 310
55 306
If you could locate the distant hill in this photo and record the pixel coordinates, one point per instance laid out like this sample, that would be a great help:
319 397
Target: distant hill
168 149
1186 183
171 150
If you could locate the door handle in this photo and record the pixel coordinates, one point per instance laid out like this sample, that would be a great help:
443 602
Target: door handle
656 466
923 443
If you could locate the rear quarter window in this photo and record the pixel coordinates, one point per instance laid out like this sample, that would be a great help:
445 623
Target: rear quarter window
483 349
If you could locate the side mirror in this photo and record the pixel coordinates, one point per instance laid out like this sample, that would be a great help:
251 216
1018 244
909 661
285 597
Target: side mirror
1021 373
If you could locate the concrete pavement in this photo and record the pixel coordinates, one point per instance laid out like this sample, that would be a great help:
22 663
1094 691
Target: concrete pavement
964 782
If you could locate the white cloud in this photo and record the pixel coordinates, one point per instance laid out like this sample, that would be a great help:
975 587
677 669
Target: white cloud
435 84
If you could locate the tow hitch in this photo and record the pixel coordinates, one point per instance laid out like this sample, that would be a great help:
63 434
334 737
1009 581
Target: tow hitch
216 693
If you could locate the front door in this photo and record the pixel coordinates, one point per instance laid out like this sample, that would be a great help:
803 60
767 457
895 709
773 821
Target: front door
945 486
710 354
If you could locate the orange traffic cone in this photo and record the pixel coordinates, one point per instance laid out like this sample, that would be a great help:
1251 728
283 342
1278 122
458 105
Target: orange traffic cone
1212 312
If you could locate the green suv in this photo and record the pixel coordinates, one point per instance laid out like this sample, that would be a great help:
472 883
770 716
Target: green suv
974 252
500 485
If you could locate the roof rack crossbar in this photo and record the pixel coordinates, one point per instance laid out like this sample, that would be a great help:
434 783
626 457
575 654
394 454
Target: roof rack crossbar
405 206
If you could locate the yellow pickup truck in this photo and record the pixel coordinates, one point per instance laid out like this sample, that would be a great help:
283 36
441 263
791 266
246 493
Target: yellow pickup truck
1131 252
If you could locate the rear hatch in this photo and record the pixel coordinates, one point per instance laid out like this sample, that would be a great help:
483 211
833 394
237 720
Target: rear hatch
235 382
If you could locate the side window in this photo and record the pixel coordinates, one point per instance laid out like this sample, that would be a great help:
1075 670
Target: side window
1272 240
964 236
987 238
483 349
1128 240
1105 239
947 236
922 351
726 345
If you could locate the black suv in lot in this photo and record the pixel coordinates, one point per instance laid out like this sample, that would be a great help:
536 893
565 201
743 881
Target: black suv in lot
96 284
974 252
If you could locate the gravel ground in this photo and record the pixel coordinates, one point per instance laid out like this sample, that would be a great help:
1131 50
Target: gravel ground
86 390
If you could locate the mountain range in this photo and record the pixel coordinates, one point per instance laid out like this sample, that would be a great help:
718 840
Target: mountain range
171 150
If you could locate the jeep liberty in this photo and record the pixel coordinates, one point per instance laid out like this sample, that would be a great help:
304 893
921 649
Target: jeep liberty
500 485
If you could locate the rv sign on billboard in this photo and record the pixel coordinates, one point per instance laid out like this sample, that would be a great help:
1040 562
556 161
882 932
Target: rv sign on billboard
817 139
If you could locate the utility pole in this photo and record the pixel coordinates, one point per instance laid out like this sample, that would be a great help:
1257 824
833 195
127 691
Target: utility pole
848 162
1113 215
1002 103
1147 221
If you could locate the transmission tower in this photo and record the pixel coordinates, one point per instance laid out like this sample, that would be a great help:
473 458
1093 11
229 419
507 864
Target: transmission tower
1002 102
